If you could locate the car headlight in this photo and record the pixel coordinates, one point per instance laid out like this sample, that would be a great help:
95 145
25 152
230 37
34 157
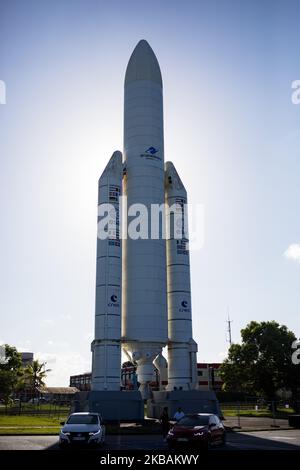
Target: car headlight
65 433
198 434
95 434
171 433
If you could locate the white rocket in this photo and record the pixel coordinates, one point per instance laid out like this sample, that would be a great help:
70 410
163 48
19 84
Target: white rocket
155 286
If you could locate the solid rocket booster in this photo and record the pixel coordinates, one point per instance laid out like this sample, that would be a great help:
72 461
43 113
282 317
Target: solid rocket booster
144 310
106 346
182 349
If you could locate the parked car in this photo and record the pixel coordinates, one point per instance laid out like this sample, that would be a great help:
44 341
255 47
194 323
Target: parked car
200 430
82 429
37 401
33 401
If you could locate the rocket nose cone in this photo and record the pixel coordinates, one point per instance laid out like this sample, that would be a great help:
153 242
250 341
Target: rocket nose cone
143 65
172 178
114 165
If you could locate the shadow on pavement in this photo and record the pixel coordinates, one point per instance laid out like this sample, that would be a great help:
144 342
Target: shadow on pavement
236 441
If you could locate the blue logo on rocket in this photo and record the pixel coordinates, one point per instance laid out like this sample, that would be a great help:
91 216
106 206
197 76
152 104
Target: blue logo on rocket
151 153
151 150
184 307
113 301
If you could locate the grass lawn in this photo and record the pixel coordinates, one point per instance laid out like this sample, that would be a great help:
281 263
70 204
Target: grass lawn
45 407
30 424
35 425
264 413
30 431
39 425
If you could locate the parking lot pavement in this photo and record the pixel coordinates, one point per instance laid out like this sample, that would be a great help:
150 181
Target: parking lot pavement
265 440
262 440
249 423
115 442
27 442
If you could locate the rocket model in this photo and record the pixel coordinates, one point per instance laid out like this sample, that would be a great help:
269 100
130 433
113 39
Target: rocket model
143 298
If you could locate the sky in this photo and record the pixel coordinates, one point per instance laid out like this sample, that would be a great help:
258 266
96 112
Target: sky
231 129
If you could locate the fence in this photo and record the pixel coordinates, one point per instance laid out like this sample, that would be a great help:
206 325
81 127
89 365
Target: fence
246 414
38 409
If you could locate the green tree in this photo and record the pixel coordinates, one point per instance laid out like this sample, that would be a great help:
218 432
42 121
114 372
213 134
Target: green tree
10 371
35 375
262 364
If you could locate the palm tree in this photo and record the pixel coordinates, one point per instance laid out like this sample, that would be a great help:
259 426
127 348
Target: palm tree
35 373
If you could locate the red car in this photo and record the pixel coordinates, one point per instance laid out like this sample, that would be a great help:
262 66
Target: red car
200 430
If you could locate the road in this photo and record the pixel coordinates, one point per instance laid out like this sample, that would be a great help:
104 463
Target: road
262 440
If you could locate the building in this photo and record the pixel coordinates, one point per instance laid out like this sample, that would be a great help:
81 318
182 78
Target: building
59 395
208 378
81 381
27 358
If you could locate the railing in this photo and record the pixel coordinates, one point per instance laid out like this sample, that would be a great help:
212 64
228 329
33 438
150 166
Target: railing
238 413
38 409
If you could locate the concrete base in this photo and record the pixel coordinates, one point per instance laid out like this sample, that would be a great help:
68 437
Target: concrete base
112 405
191 401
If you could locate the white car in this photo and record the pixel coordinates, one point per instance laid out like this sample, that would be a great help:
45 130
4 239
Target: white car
82 429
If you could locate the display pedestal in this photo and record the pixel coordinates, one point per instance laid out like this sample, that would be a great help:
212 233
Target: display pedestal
191 401
112 405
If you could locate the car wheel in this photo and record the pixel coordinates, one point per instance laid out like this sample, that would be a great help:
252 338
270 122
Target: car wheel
206 445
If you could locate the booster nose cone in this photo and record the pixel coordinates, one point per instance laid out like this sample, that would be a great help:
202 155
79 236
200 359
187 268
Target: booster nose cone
114 165
173 182
143 65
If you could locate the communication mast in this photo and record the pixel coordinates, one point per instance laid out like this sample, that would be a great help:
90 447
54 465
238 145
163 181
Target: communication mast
229 329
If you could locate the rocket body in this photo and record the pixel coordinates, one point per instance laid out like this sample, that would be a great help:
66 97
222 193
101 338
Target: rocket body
144 315
152 274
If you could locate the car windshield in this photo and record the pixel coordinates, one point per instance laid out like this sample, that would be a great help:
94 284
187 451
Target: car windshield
193 421
83 419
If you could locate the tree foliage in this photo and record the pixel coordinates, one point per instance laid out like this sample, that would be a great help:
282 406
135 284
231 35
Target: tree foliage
10 372
14 377
262 364
35 375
